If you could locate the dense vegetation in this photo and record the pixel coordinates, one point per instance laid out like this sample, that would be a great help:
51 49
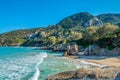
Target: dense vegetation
107 35
16 37
82 28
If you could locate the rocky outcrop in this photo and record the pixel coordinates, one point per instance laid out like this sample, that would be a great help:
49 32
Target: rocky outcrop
71 50
98 73
68 49
65 54
94 22
59 47
74 49
78 19
96 50
91 50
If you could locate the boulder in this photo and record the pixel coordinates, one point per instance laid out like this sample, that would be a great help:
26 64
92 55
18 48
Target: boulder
59 47
94 22
75 49
96 50
80 49
69 49
65 53
72 49
109 73
62 76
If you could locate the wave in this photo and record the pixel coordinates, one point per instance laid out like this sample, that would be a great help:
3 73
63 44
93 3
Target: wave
94 64
37 73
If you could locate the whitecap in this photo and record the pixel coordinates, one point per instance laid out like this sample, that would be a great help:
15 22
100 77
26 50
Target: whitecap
20 67
37 72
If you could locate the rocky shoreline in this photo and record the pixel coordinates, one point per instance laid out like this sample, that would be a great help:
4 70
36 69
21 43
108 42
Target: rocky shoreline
71 50
112 73
101 71
74 49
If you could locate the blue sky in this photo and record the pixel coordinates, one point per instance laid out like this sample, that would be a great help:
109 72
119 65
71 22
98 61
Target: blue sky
22 14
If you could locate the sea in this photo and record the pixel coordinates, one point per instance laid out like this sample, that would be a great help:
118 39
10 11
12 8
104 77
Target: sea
31 63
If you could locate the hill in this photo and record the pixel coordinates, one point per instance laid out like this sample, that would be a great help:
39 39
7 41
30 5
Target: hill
83 19
110 18
82 28
16 37
86 19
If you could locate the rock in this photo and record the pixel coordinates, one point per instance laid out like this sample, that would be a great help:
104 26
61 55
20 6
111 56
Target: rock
105 73
115 52
118 76
72 49
96 50
62 76
59 47
80 53
75 49
65 53
80 49
91 76
69 49
94 22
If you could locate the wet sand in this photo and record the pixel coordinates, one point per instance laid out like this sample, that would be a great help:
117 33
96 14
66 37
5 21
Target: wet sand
103 62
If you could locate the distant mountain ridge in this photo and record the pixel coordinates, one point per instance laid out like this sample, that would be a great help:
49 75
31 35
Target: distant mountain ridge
79 19
86 19
110 18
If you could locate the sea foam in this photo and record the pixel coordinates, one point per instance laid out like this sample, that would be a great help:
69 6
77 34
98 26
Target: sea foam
20 67
94 64
37 73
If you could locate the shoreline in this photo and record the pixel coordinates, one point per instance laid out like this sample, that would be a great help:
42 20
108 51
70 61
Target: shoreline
93 64
113 61
102 71
98 62
108 62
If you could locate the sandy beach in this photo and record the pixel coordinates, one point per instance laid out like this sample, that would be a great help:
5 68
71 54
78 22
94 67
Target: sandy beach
108 62
101 62
104 69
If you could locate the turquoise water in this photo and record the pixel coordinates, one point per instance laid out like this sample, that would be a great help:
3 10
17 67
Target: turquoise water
19 63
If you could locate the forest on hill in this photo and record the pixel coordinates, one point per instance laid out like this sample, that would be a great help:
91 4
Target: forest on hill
81 28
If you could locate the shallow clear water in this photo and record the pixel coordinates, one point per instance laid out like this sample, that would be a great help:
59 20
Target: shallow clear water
18 63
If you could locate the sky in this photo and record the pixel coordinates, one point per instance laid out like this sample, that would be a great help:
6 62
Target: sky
23 14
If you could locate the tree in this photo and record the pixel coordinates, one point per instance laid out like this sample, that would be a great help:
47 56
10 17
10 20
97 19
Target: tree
90 34
107 28
64 41
52 39
75 35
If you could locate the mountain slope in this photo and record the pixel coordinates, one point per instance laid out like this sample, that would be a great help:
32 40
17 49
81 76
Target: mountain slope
78 19
69 29
110 18
86 19
16 37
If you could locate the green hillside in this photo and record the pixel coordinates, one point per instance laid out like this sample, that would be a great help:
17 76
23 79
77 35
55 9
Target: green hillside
82 28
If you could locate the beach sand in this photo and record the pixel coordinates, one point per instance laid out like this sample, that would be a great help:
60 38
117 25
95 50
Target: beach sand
105 62
108 62
104 69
